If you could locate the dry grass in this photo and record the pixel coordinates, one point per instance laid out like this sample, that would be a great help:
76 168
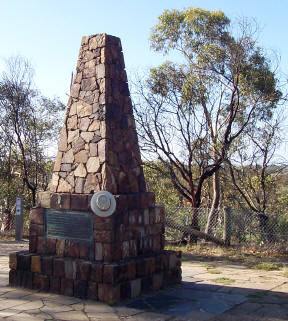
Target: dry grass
250 257
225 281
268 266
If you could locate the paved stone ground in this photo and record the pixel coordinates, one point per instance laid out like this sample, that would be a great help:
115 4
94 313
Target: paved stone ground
247 295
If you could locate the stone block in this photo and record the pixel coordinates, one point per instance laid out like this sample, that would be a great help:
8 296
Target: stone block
152 215
108 249
96 272
157 281
59 267
157 243
13 278
99 252
36 230
121 202
80 171
92 291
84 251
41 245
60 247
133 248
146 284
19 278
173 261
164 260
135 287
117 251
67 287
131 270
140 268
51 246
54 284
27 280
108 293
103 236
172 276
40 282
43 198
84 270
125 249
72 249
146 217
125 290
79 202
47 265
104 223
111 273
37 215
13 261
24 261
36 263
147 199
158 264
60 201
70 269
32 244
133 201
80 289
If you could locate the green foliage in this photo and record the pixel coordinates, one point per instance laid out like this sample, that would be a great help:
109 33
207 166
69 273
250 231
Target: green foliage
160 183
29 123
189 28
211 50
198 107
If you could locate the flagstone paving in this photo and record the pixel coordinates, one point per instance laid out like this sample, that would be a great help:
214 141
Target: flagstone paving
224 293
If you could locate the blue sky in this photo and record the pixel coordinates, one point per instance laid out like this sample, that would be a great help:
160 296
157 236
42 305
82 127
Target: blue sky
49 33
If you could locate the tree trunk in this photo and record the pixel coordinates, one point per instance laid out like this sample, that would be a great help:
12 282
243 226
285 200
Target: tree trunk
33 191
192 238
227 226
264 227
187 237
213 213
7 220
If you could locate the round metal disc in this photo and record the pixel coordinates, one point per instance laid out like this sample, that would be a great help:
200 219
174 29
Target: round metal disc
103 204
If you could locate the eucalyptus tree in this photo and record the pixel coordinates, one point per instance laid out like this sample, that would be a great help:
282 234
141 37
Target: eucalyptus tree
193 107
28 124
255 169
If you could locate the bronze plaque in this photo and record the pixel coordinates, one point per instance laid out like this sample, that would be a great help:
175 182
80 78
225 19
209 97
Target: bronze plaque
69 225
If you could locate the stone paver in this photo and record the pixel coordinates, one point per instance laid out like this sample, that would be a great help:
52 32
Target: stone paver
235 294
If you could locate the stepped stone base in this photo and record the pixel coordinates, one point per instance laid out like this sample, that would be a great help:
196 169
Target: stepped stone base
106 282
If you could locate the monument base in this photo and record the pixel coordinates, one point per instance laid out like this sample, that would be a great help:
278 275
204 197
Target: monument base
106 282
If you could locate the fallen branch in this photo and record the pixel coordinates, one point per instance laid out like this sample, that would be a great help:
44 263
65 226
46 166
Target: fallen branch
191 231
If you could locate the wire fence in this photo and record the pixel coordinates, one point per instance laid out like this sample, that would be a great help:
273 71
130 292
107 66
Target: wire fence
7 226
229 226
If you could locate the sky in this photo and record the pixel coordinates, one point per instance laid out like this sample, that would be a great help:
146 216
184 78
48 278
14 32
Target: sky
49 33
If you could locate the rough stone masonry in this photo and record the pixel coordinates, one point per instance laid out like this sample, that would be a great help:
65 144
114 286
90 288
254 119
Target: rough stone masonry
98 150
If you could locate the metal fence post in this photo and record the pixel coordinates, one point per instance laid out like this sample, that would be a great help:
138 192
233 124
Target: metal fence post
19 219
227 230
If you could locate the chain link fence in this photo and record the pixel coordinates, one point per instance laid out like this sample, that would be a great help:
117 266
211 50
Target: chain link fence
7 225
227 226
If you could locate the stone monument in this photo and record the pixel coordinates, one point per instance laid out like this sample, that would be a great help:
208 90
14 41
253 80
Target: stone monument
85 242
